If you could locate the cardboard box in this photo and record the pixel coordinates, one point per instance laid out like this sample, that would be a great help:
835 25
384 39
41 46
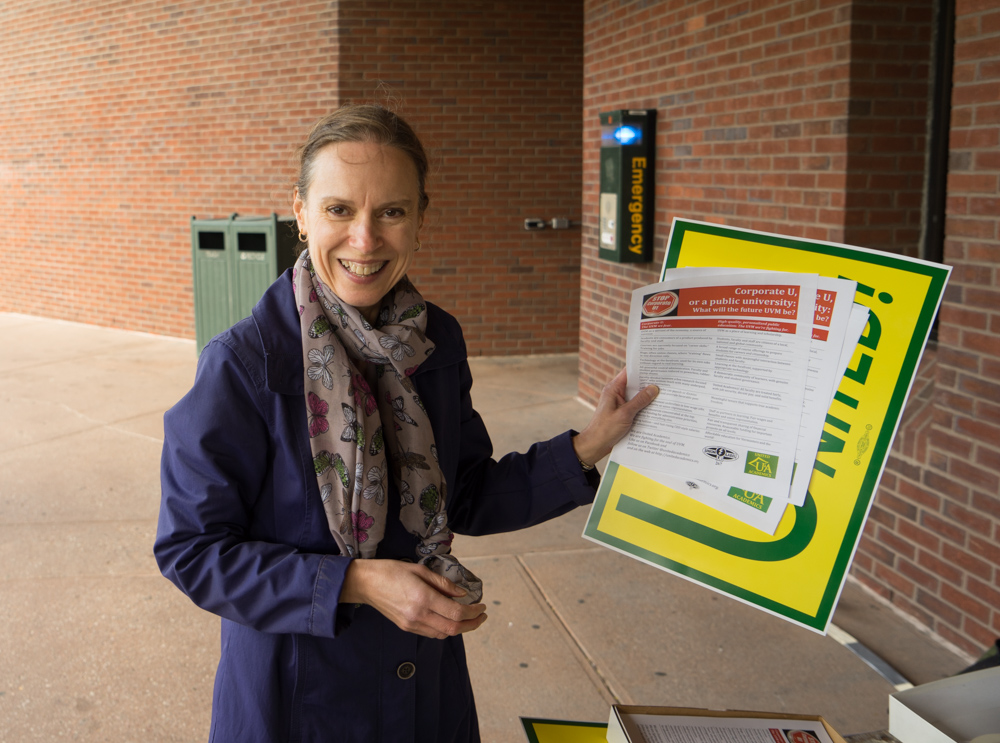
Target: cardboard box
621 731
952 710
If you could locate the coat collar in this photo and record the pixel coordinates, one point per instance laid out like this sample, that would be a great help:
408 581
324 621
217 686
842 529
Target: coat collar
277 321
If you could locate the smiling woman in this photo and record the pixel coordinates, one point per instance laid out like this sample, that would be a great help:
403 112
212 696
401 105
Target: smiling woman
361 219
314 475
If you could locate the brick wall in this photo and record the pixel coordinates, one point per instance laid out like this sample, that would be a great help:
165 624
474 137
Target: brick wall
887 125
752 99
494 89
931 543
121 120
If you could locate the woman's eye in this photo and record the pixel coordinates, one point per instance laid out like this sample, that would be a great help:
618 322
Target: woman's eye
337 211
394 213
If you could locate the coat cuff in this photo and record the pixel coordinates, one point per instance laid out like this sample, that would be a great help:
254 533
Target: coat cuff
329 617
582 485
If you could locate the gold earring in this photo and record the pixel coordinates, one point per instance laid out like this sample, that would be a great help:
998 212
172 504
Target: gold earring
302 238
418 247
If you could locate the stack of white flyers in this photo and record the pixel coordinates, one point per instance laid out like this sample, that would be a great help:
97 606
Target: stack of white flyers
747 363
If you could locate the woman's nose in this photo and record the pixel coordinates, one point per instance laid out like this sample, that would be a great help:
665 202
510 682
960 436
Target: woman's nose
364 233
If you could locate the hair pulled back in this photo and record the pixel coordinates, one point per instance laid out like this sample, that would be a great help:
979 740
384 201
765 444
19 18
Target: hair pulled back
362 123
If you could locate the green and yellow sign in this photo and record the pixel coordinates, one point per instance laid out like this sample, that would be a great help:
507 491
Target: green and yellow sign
798 573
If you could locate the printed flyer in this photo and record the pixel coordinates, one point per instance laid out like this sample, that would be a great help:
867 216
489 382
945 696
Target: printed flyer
730 355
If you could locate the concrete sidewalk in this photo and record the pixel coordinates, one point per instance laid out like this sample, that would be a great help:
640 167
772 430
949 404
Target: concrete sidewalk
96 646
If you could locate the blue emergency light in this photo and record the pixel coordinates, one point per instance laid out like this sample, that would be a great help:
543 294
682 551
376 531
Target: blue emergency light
628 191
628 135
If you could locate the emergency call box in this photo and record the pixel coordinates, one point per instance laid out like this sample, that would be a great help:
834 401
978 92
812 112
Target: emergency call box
627 201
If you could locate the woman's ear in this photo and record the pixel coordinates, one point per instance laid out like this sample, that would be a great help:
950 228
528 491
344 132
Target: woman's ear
299 210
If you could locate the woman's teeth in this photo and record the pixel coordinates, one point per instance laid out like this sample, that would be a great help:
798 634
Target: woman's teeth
362 269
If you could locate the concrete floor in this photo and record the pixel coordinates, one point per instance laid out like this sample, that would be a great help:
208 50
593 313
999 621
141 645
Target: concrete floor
96 646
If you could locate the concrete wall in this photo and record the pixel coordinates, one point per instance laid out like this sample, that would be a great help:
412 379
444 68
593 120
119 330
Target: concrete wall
121 120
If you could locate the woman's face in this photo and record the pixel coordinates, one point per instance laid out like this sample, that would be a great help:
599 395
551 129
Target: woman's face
361 219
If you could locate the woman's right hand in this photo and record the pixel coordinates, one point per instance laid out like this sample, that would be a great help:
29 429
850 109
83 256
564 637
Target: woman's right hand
412 597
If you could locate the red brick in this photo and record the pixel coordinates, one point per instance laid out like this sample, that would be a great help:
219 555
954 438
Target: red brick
982 636
896 505
881 516
871 546
947 486
971 606
895 580
951 444
987 504
985 548
964 561
918 576
952 532
971 647
979 387
918 495
862 562
940 609
942 568
919 536
910 608
985 433
984 592
977 476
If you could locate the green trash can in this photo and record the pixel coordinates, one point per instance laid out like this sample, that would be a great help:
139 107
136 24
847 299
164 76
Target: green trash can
234 261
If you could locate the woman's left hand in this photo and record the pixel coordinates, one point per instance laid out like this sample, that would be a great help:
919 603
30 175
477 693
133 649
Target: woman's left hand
612 419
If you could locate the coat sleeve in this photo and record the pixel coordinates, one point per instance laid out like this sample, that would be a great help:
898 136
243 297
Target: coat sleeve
520 490
216 472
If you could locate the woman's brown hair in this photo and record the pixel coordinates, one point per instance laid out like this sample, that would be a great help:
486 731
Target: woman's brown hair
362 123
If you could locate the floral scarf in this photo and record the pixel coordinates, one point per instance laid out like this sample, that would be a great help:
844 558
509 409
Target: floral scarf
357 434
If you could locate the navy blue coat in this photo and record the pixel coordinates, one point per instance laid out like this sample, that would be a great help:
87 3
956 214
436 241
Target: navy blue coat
242 532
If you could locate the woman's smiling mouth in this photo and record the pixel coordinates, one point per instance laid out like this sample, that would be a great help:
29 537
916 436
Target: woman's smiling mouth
362 269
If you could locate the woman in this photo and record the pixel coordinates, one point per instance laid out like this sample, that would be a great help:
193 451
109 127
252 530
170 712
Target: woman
314 473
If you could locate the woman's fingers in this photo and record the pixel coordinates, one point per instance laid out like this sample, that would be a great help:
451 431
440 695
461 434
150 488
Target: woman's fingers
442 584
424 609
411 596
612 419
642 398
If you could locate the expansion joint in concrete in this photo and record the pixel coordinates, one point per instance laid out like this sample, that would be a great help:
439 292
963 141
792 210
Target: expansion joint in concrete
605 682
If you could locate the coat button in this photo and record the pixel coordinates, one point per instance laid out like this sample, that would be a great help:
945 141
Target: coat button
406 670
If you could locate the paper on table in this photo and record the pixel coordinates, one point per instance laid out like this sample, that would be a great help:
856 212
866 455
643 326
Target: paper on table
681 729
730 355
